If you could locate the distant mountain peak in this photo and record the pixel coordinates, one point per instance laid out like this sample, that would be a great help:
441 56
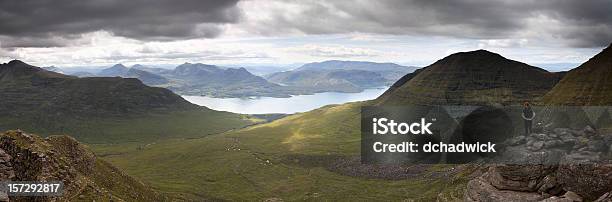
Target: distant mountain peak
18 67
481 53
483 60
16 62
119 66
472 78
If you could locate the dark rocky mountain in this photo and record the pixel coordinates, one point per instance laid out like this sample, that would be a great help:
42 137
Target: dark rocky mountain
115 70
27 89
27 157
398 84
472 78
342 76
590 84
124 72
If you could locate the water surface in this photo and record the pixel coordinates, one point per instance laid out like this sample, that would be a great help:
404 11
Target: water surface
297 103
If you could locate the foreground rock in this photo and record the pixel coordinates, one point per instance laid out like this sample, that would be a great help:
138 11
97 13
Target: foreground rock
26 157
558 165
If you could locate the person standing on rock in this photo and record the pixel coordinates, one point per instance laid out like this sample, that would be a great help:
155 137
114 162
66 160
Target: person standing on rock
528 115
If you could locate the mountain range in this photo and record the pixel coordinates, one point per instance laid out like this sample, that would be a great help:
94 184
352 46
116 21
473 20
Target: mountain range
100 109
314 150
315 155
146 77
341 76
216 81
25 88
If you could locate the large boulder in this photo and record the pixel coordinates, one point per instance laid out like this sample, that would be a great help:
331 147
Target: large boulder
557 165
587 180
518 177
479 189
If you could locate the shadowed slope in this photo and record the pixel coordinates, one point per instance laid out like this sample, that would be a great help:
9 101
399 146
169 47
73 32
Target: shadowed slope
590 84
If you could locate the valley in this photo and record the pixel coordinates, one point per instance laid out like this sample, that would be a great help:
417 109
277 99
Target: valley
306 156
189 152
276 100
301 157
102 109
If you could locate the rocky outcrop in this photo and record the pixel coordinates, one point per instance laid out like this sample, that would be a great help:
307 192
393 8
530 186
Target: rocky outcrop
558 165
480 189
607 197
26 157
589 181
560 146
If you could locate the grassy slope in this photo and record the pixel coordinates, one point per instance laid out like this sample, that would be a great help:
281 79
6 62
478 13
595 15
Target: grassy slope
142 128
249 164
101 109
590 84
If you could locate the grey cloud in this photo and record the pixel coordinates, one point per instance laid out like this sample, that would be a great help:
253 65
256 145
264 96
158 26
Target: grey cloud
583 23
588 23
202 55
43 23
11 42
49 20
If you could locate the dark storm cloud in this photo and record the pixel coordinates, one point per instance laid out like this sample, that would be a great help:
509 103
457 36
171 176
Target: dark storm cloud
580 23
43 23
52 22
589 23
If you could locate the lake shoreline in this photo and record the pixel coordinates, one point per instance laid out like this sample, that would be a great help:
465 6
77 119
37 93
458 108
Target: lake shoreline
289 105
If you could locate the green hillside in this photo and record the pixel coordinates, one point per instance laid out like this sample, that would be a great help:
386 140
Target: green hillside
144 128
472 78
307 156
315 155
590 84
102 109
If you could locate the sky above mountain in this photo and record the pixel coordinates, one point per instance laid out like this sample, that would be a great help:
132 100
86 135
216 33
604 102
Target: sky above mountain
101 32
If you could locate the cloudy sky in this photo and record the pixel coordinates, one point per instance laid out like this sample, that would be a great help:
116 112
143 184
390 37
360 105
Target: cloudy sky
69 33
